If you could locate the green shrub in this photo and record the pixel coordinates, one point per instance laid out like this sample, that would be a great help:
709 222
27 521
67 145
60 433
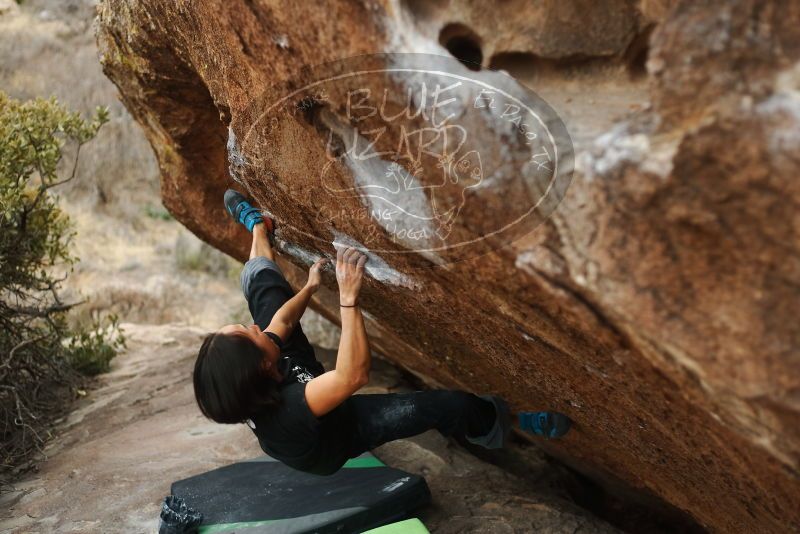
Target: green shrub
90 350
41 356
158 213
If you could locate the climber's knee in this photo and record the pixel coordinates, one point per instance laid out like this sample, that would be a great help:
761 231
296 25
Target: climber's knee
252 268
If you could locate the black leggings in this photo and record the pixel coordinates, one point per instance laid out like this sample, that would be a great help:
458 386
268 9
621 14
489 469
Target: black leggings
385 417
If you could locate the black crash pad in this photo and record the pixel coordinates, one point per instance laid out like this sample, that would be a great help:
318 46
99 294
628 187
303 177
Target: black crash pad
263 495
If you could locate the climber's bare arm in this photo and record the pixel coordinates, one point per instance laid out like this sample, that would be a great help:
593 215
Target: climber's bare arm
288 315
326 392
329 390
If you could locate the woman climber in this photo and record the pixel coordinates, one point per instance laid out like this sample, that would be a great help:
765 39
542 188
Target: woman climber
266 375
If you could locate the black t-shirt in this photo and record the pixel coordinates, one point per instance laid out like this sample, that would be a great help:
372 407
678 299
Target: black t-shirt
290 432
296 437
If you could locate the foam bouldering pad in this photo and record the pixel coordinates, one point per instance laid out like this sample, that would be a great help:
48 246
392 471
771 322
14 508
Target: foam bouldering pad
263 495
408 526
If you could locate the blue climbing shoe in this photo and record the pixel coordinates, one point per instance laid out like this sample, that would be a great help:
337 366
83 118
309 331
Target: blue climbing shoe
547 424
243 212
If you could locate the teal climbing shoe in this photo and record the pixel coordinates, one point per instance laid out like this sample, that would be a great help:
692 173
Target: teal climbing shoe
547 424
243 212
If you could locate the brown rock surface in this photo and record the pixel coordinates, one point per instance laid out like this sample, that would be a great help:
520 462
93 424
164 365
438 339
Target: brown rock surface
657 306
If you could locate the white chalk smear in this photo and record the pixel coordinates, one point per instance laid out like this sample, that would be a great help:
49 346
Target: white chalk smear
619 147
236 160
376 267
308 257
394 197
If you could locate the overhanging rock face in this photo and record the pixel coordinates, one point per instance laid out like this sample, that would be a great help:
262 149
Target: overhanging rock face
654 300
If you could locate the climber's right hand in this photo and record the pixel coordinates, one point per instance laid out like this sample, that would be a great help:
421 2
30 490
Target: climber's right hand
349 273
315 274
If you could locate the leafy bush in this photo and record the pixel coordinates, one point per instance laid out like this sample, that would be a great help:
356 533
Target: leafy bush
90 350
158 213
41 356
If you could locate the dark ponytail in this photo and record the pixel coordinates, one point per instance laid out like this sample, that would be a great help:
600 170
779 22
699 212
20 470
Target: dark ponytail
230 384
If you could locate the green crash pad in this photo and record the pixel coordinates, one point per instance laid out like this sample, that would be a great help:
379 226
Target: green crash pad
409 526
263 495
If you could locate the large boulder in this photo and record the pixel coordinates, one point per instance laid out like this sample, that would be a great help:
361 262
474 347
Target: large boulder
656 304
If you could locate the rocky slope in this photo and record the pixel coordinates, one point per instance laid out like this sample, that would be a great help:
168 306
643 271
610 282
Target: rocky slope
655 305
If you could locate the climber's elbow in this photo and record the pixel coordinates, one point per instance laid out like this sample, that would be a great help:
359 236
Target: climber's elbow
363 380
358 377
